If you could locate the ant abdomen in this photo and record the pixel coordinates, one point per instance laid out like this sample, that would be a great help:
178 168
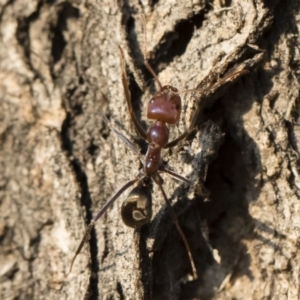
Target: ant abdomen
137 208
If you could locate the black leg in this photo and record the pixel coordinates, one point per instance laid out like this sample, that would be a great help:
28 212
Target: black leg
140 130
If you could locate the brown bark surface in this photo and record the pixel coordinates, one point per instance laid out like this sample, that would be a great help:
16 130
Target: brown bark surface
60 71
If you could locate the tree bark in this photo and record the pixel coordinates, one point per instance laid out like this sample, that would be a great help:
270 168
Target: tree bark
60 73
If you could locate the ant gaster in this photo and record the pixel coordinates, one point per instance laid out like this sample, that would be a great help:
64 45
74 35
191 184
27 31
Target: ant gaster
165 108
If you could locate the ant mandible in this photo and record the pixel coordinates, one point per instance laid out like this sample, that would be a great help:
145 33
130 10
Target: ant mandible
164 108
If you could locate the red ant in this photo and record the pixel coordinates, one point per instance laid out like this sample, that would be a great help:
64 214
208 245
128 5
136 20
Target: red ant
164 108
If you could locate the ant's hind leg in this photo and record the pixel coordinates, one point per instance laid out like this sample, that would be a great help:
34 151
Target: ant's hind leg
159 181
99 214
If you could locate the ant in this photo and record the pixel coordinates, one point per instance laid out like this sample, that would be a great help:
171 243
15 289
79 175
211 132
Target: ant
164 108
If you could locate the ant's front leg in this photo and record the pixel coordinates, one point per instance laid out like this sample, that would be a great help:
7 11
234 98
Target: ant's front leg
138 127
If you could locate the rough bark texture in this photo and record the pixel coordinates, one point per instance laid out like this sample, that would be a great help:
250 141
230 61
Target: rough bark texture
60 70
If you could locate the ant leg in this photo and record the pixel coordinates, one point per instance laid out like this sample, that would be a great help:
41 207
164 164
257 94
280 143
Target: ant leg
177 176
99 214
124 139
137 125
145 53
159 181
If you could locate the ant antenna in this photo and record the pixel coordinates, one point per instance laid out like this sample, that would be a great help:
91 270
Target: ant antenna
229 76
146 54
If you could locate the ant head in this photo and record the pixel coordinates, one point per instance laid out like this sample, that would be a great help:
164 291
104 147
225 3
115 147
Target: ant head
165 105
